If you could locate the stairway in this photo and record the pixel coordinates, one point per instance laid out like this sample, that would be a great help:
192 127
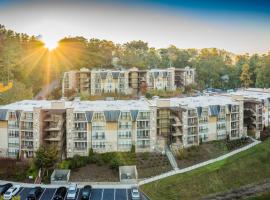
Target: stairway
171 158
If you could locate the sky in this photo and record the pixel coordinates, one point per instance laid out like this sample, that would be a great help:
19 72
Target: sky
239 26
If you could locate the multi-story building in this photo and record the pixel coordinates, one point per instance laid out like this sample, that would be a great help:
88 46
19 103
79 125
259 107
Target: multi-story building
256 108
131 81
27 124
74 127
110 126
183 122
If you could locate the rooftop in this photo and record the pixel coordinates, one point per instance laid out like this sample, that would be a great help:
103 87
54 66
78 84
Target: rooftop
199 101
257 93
29 105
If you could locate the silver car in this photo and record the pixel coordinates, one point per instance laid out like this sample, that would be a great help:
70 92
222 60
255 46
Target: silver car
72 191
135 194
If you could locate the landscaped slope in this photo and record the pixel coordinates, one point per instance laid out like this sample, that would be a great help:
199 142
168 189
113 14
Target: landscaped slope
246 167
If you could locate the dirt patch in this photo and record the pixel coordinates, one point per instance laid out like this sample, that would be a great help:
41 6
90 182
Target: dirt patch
14 170
152 164
206 151
94 173
243 192
148 164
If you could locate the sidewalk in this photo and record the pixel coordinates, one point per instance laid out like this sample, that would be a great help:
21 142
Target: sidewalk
180 171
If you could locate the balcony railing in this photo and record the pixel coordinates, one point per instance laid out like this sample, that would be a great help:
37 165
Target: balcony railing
98 137
27 146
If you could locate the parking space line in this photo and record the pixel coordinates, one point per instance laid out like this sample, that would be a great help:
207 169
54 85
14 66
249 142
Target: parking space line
102 194
42 193
114 194
20 191
54 193
78 194
127 193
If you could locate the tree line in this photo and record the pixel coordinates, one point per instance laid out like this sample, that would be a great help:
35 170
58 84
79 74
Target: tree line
26 61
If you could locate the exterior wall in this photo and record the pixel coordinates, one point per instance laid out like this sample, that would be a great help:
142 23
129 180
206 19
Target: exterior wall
37 128
96 82
4 138
13 134
159 79
105 82
68 82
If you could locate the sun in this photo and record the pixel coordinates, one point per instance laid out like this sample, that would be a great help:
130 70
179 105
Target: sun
50 43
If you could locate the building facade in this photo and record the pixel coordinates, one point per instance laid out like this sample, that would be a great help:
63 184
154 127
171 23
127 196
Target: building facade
75 127
256 108
184 122
131 81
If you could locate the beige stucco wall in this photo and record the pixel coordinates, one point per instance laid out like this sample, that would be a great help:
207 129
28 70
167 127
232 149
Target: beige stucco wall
4 138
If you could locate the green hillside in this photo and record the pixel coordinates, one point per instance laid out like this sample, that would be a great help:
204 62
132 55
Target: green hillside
244 168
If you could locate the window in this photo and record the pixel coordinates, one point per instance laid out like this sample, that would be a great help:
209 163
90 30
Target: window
98 145
124 134
221 126
143 134
12 116
143 143
13 134
125 144
221 117
125 125
81 126
80 145
143 124
98 136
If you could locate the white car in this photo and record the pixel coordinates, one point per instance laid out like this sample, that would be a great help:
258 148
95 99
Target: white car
135 194
72 191
11 192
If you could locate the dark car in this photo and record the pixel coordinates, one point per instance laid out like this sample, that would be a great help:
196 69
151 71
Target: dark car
60 193
86 192
34 193
4 188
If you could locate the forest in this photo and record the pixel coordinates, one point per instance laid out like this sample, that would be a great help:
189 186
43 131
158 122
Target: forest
25 60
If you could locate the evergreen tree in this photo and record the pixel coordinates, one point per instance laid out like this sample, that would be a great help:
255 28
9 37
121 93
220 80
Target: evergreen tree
245 76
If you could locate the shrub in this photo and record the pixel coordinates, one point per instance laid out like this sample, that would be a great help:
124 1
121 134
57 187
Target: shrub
182 154
132 150
145 155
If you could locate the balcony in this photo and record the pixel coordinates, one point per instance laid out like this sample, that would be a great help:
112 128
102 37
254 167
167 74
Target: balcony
27 137
27 128
53 138
26 147
98 137
84 138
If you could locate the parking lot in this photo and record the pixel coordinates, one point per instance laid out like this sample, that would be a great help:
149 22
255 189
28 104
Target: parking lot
97 194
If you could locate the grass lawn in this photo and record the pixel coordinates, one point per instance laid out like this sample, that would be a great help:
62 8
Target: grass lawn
264 196
247 167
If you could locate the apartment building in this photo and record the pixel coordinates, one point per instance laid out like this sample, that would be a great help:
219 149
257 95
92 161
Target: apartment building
183 122
28 124
74 127
256 108
110 126
126 81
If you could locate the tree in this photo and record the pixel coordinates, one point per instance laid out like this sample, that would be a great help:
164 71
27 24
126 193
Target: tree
17 93
46 158
245 76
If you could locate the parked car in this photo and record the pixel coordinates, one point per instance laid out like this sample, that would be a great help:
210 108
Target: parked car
11 192
86 192
34 193
4 188
72 191
60 193
135 194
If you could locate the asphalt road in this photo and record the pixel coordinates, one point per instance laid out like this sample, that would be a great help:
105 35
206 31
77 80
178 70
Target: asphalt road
97 194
